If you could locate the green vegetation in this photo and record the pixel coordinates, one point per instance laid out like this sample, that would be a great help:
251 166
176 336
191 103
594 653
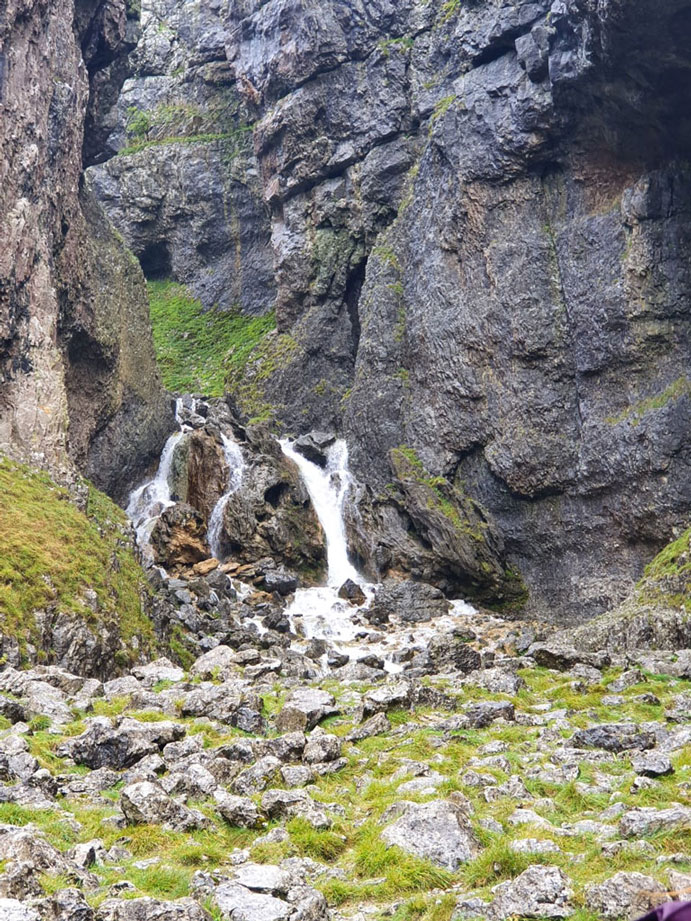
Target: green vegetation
198 350
667 579
51 553
186 123
679 388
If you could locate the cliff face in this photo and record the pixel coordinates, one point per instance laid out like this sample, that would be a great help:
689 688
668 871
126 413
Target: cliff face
480 221
79 383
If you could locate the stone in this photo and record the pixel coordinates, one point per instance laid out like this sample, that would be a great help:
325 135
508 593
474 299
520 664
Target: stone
237 902
314 446
14 910
147 803
352 592
291 803
215 663
534 846
179 537
652 764
105 745
149 909
238 811
438 831
539 892
410 602
497 680
624 895
304 708
258 776
614 737
375 725
281 581
321 746
484 713
159 670
645 820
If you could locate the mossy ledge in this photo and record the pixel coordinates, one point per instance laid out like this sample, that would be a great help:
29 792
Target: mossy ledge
71 589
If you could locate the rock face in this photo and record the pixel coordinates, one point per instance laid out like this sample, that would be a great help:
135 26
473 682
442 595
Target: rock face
76 362
184 189
479 224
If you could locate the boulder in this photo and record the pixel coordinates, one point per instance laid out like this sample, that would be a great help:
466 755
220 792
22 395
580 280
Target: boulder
147 803
148 909
120 746
438 831
410 602
645 820
539 892
315 446
652 764
304 708
624 895
352 592
239 811
614 737
179 537
295 803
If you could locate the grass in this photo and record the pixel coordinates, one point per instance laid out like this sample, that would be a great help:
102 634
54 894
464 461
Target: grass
51 553
197 349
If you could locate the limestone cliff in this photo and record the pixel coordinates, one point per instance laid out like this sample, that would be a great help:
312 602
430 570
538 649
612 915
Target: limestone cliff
480 220
79 383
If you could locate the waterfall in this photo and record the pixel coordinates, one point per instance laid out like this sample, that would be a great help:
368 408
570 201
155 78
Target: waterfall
148 501
236 467
327 489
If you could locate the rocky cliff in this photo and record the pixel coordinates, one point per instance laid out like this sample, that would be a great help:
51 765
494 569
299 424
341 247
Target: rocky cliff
79 382
479 216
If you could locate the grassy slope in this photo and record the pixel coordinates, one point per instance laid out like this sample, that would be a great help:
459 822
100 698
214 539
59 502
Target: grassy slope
50 552
198 349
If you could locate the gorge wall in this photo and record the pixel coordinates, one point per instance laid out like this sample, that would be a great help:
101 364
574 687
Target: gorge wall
79 381
473 222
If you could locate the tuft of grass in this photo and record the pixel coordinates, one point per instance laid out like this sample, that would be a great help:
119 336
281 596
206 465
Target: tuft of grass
197 349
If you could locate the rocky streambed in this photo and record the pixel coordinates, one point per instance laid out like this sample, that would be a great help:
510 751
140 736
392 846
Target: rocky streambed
264 783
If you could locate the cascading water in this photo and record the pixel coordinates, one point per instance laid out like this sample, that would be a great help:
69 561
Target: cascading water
328 488
319 612
148 501
236 466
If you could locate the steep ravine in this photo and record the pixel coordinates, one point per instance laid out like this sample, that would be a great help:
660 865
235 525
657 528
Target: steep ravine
478 219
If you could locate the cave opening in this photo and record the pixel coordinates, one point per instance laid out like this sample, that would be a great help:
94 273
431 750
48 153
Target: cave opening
156 262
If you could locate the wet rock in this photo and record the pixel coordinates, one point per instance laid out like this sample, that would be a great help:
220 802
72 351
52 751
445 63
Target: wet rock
352 592
624 895
281 581
147 803
314 446
614 737
438 831
410 602
179 537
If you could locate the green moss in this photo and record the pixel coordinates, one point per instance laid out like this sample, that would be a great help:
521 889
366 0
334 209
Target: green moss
196 349
667 579
51 553
679 388
442 107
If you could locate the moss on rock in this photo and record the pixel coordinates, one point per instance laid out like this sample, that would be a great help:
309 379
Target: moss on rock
59 564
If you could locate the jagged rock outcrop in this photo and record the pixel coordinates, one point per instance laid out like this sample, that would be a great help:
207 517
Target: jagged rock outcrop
480 218
79 383
183 186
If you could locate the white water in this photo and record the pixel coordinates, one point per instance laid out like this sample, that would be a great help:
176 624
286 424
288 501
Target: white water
148 501
236 467
319 612
328 488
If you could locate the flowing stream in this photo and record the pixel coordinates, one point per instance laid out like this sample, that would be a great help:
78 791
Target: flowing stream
236 468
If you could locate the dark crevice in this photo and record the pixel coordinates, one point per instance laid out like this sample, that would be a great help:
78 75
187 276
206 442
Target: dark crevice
356 280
